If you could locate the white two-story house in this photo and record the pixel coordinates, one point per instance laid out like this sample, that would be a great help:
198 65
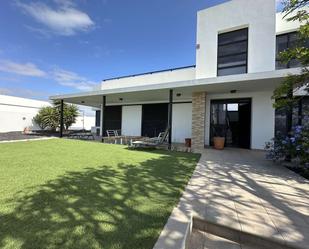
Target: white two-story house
228 92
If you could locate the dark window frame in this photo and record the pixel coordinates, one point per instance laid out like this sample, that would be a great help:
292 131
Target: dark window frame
233 54
288 35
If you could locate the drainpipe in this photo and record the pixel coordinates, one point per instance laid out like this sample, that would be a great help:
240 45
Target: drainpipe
170 114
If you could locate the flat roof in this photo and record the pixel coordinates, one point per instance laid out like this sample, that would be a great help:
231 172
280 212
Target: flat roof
196 82
151 72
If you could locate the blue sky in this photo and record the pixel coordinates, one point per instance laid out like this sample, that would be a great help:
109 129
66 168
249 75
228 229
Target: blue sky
63 46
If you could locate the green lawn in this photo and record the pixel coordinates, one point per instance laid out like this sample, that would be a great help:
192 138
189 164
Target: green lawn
74 194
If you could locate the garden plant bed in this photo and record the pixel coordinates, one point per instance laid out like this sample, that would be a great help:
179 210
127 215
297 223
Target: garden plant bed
75 194
300 170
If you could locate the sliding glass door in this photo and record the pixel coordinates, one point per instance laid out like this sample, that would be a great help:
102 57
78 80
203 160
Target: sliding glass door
231 119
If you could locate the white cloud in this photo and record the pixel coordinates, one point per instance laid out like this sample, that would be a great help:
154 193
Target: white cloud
71 79
24 92
65 19
5 91
27 69
67 3
61 76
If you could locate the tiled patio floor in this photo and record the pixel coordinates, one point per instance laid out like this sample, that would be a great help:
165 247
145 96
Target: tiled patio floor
239 188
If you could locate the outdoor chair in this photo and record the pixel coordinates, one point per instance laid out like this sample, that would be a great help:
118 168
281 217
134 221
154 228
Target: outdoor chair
152 142
112 133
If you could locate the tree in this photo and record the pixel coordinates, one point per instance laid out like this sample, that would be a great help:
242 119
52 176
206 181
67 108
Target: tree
70 113
49 116
283 94
39 121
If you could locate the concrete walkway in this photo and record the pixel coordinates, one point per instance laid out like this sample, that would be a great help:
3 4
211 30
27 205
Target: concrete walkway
239 188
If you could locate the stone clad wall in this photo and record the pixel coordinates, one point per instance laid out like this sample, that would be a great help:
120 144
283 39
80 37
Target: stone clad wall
198 120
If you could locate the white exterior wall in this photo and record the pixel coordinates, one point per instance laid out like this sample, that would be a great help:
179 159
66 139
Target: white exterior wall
262 116
148 79
17 113
283 26
13 118
181 125
181 122
131 123
257 15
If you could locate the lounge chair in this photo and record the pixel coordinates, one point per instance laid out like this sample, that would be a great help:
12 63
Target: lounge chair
151 142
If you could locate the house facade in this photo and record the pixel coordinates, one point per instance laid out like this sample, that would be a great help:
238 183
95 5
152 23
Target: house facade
227 93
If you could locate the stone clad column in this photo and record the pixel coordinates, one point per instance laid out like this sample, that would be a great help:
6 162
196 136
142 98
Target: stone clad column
198 120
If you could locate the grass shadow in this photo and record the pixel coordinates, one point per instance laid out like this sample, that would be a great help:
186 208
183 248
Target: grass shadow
120 207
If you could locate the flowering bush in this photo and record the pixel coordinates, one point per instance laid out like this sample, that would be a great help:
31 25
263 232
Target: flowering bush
296 145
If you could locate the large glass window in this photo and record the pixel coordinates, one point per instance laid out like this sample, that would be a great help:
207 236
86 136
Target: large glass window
285 41
233 52
300 115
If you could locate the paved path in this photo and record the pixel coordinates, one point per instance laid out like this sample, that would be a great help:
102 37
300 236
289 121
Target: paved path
241 189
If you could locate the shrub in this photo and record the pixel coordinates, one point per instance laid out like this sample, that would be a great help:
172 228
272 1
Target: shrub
296 145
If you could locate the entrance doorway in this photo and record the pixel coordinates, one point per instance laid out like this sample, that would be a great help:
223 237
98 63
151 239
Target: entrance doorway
231 118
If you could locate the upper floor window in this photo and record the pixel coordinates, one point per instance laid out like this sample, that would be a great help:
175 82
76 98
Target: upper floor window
233 52
285 41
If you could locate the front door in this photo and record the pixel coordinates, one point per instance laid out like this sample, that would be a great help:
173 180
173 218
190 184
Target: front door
231 119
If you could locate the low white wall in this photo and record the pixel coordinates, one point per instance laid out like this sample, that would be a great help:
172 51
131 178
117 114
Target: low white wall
181 122
131 123
83 122
262 116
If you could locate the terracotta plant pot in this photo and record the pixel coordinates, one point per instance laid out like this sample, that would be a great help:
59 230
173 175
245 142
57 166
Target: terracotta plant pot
219 143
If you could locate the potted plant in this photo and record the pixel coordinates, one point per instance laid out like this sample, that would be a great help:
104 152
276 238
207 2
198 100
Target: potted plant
219 138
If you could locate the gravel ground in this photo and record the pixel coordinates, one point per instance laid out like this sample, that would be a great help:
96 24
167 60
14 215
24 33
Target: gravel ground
17 135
